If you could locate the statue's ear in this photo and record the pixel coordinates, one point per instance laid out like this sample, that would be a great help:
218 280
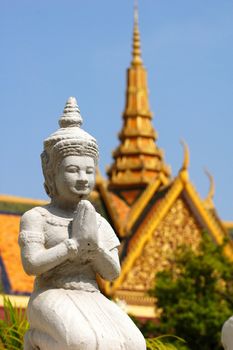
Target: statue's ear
47 189
50 185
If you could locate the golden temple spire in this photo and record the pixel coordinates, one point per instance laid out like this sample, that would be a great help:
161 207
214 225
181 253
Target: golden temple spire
137 160
137 60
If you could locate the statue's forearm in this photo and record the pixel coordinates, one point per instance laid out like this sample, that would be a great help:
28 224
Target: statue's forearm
37 260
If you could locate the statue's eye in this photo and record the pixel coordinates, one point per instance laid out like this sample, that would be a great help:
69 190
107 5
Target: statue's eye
72 169
90 170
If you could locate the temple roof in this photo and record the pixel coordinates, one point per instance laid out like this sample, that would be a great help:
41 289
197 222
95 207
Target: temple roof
136 227
161 220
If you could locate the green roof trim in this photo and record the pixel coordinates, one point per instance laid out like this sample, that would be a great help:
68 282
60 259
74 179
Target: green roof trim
21 208
15 208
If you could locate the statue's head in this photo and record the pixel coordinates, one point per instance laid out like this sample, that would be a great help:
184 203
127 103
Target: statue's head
70 156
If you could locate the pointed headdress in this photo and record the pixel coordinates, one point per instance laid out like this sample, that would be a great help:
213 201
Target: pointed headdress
69 139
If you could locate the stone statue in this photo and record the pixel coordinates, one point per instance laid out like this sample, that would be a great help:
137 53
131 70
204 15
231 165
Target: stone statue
65 244
227 334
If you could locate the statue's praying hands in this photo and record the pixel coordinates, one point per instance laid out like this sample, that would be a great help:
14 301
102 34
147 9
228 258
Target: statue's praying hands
84 227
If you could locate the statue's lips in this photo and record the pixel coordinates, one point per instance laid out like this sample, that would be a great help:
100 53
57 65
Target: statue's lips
81 187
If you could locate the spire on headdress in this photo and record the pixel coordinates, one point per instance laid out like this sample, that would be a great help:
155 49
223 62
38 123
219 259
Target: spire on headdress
70 138
71 115
137 60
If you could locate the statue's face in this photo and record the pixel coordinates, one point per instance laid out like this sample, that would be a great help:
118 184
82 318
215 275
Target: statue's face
75 177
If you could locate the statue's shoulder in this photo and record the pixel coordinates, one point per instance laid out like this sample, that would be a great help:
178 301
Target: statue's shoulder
31 227
34 216
101 221
106 233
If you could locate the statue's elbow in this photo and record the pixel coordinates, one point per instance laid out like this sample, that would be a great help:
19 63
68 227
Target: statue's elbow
29 271
115 273
30 267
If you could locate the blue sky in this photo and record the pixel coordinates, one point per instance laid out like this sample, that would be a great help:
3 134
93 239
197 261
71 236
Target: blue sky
53 49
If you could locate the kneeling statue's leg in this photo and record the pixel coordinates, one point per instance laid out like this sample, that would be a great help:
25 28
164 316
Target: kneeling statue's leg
36 340
27 341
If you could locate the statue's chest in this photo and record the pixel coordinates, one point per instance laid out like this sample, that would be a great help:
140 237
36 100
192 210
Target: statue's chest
56 231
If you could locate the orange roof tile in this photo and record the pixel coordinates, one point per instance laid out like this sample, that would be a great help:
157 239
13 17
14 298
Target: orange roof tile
130 196
121 208
10 253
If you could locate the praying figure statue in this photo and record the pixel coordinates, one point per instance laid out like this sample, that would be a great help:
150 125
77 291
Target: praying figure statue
65 244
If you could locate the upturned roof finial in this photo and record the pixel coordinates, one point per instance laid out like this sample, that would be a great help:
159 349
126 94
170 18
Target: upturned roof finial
210 196
186 159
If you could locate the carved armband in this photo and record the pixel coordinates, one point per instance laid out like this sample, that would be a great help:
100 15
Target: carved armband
27 237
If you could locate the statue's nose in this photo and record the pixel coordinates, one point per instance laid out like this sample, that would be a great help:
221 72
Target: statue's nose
82 177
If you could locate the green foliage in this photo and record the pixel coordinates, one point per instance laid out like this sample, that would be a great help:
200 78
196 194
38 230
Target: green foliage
196 296
165 342
12 327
